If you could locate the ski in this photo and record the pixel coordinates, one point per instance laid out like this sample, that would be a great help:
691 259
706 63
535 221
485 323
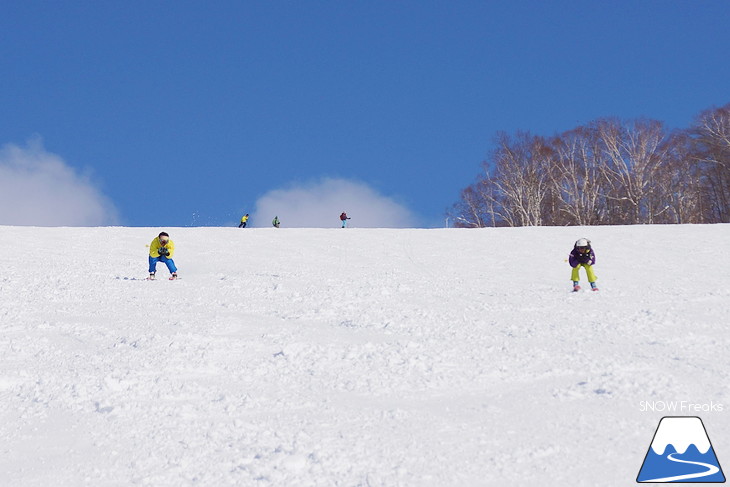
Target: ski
173 277
578 289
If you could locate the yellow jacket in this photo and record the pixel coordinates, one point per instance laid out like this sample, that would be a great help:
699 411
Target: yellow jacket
155 247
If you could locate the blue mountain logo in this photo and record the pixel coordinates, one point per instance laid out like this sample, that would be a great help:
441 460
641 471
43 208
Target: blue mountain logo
681 452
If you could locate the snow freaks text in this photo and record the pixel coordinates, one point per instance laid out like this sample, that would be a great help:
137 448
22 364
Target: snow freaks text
680 407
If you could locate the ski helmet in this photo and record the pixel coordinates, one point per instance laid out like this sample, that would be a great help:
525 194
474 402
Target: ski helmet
583 242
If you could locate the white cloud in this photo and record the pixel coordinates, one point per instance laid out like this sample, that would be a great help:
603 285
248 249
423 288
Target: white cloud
319 204
37 188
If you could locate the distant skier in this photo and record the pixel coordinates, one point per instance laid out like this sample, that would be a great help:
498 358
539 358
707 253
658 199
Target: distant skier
244 220
344 218
582 255
161 250
276 222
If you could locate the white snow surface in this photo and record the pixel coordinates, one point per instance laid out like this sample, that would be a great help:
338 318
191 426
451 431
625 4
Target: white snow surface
355 357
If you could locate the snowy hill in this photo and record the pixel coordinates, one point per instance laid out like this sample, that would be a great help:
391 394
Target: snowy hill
371 357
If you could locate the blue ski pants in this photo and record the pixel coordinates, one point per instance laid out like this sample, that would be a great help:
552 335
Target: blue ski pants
168 262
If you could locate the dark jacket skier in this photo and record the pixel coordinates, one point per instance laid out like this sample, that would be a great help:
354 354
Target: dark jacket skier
343 219
582 255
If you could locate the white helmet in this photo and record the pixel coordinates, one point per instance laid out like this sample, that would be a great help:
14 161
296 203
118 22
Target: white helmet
583 242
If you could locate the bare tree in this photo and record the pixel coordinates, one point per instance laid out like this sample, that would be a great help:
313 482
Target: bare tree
471 210
522 178
634 156
607 172
577 178
678 183
712 152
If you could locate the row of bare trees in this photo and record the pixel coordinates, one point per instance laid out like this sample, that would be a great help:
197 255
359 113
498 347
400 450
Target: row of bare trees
607 172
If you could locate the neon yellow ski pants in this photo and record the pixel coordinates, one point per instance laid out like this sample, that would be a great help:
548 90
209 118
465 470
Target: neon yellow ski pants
574 275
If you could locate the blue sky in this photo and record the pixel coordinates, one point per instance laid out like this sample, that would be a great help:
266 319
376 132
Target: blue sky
191 113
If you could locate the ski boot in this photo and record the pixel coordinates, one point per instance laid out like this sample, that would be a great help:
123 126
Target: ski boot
152 276
594 287
173 276
576 286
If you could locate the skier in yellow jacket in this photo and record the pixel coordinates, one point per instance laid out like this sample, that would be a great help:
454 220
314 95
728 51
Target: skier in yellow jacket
244 221
162 250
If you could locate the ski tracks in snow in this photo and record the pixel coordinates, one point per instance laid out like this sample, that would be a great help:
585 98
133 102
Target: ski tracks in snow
359 357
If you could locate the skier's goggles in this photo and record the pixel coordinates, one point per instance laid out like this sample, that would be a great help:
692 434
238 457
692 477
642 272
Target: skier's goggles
582 250
163 241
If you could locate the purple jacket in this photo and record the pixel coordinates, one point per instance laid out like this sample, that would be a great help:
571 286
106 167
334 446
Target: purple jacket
575 258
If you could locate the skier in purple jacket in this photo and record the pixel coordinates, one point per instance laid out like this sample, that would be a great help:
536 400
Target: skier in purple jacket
582 255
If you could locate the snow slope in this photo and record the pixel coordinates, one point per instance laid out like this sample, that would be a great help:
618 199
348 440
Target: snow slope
356 357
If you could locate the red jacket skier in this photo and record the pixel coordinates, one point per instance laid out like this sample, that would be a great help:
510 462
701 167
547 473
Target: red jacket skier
344 218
